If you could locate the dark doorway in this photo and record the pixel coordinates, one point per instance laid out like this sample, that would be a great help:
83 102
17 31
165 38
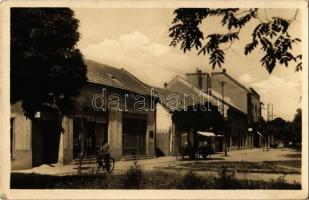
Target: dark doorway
51 134
45 142
134 135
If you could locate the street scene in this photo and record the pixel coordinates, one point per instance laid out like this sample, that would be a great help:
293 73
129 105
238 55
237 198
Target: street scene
253 164
181 98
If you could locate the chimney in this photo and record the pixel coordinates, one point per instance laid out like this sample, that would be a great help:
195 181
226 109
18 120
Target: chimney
224 70
199 78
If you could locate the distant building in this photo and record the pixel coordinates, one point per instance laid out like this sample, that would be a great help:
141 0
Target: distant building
189 95
241 105
220 83
128 131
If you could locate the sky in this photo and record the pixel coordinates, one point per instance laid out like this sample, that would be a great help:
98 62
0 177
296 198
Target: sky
137 40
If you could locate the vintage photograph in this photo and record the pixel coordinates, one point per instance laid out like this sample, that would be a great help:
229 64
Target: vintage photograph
184 98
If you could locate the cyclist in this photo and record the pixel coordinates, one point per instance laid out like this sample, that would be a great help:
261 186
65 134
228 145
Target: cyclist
104 154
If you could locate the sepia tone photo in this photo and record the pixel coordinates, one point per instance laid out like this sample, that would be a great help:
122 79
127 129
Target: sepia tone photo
183 98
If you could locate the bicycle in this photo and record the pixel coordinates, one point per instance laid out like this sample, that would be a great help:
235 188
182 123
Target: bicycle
99 165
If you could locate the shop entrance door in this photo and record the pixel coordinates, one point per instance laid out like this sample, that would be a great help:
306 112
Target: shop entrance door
134 136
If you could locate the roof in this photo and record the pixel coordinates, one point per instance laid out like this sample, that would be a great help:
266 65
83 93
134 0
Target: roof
169 96
114 77
180 85
213 98
254 92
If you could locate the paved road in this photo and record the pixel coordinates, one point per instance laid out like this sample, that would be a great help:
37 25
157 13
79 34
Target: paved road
251 155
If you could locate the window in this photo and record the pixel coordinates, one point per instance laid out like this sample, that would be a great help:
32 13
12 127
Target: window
12 141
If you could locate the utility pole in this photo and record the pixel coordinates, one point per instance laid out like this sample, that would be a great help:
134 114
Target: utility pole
222 83
263 128
270 117
270 112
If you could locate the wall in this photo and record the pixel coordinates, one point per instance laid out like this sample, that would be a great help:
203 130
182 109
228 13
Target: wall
115 117
255 108
254 116
238 134
163 142
23 136
22 151
236 93
164 131
164 118
151 133
198 79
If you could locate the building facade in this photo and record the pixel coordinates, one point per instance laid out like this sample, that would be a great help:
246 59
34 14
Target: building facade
114 106
187 95
240 106
254 117
235 95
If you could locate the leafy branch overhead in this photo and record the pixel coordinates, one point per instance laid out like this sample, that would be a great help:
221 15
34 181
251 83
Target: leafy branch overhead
271 35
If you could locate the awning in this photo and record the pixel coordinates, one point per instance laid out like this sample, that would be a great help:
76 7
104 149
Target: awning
259 134
207 134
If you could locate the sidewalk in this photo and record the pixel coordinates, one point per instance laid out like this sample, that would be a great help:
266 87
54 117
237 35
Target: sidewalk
120 166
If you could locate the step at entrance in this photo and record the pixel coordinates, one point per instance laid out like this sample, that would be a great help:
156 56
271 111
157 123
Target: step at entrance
85 161
139 157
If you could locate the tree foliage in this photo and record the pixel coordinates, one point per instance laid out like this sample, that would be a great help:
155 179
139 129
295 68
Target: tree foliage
297 128
285 131
279 129
47 70
271 35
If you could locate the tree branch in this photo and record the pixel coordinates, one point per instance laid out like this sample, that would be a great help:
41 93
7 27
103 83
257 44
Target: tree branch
259 18
266 15
240 13
294 17
231 43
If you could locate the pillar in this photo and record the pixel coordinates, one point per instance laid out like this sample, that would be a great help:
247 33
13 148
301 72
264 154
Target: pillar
115 133
65 155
